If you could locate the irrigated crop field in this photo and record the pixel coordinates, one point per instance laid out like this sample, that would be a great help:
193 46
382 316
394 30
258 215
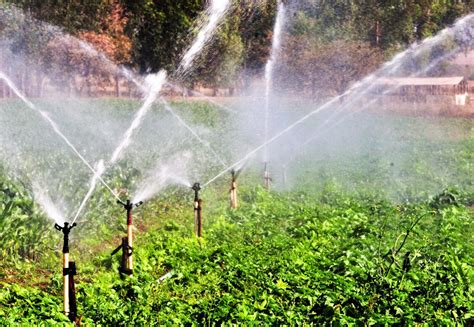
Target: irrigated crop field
370 224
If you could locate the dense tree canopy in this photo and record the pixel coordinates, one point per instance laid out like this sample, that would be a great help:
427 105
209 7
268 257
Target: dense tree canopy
150 35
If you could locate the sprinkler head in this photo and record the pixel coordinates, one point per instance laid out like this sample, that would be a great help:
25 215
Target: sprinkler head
196 187
129 205
235 173
65 230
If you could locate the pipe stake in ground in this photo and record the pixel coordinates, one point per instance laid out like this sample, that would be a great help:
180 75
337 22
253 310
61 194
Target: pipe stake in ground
69 310
127 242
197 211
233 190
266 177
72 291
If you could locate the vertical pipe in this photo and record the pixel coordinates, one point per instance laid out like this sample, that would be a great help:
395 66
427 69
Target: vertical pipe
233 191
129 207
199 219
66 283
127 242
266 177
72 292
196 216
66 269
197 211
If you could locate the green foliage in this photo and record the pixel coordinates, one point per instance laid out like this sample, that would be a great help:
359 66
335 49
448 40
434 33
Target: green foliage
281 259
334 251
23 229
160 31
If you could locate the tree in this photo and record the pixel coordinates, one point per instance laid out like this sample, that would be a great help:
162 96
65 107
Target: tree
219 66
112 40
326 69
72 15
160 31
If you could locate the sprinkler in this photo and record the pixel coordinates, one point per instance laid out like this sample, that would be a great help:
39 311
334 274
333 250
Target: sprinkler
266 176
126 267
69 270
197 210
233 189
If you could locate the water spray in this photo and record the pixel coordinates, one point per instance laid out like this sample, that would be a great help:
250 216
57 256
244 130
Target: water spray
269 72
197 210
55 128
391 66
233 189
126 267
285 175
69 270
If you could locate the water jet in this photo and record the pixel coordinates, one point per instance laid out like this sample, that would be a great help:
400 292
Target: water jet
269 72
69 270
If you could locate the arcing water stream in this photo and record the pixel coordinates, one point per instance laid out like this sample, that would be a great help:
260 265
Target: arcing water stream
155 82
365 106
53 125
360 88
445 34
48 206
215 12
196 136
100 169
270 66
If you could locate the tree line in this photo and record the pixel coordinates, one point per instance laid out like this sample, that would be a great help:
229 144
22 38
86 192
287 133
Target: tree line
328 43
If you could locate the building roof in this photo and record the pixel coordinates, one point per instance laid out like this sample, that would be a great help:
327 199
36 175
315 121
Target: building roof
421 81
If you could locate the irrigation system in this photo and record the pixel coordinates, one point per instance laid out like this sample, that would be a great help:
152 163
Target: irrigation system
69 271
126 267
198 222
152 89
234 203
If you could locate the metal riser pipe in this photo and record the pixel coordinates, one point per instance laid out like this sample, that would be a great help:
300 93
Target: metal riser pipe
66 283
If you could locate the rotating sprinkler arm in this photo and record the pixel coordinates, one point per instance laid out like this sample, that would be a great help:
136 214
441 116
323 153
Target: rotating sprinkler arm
65 230
129 205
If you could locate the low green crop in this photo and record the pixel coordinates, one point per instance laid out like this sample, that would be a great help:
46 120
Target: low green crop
280 260
385 241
